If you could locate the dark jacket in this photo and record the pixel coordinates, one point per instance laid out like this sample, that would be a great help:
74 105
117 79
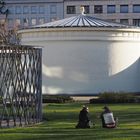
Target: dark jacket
83 116
83 119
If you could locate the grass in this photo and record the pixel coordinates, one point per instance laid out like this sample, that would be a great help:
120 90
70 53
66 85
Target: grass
62 118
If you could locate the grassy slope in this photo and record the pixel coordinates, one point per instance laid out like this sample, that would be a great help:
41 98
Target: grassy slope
62 119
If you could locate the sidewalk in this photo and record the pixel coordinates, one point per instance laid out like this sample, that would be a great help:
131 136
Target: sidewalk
83 98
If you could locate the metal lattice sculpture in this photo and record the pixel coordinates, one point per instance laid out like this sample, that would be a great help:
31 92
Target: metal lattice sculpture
20 85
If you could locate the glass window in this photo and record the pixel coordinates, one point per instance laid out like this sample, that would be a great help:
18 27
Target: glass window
124 9
25 9
53 18
53 9
11 10
98 9
18 10
111 20
33 9
111 9
41 20
10 22
136 22
41 9
124 21
33 21
86 9
136 8
2 21
25 22
71 10
18 21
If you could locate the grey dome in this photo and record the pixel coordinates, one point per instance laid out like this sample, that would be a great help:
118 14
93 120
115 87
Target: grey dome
80 21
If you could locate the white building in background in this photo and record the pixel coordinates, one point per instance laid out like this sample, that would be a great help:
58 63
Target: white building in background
86 55
34 12
27 13
123 11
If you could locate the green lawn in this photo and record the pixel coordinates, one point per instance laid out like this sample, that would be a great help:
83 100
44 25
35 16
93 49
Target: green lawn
62 118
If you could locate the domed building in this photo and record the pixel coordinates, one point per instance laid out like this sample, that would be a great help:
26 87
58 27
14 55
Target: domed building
86 55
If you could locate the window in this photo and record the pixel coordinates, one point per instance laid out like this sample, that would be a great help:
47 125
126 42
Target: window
71 10
11 10
2 21
98 9
25 10
25 22
53 9
86 9
111 20
18 10
124 9
53 18
136 8
41 20
33 21
111 9
10 22
124 21
136 22
33 9
18 21
41 9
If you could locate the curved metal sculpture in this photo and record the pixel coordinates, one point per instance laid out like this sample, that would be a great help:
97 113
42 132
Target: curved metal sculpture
20 85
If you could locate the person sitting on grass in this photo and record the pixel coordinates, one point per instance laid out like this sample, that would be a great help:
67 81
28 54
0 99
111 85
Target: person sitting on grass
84 121
107 118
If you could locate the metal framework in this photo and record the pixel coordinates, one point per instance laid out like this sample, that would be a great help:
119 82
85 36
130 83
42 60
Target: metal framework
20 85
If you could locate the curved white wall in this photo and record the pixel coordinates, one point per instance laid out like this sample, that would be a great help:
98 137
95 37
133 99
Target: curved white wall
78 61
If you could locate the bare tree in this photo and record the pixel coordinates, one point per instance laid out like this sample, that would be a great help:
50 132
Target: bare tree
8 36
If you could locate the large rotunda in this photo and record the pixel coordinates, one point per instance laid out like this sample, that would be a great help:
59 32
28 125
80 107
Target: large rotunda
86 55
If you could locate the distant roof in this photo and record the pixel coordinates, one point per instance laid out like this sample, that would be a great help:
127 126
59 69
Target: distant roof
80 21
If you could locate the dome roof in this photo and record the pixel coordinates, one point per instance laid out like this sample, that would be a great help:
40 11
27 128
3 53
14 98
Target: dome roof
80 21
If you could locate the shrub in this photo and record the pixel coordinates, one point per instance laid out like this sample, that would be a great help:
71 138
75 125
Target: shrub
57 99
112 97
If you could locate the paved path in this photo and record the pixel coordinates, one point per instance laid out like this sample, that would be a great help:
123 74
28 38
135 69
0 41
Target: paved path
83 98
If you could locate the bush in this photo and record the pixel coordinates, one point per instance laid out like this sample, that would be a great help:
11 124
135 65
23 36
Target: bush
116 98
1 100
57 99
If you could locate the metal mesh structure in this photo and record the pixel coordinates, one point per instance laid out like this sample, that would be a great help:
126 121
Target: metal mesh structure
20 85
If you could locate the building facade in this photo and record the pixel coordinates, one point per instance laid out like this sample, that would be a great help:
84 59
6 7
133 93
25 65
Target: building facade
31 12
123 11
34 12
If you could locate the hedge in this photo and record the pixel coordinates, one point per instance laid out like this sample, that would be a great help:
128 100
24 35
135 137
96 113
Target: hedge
116 98
57 99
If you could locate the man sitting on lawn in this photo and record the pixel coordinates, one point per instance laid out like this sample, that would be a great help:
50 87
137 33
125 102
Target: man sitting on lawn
84 121
107 117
